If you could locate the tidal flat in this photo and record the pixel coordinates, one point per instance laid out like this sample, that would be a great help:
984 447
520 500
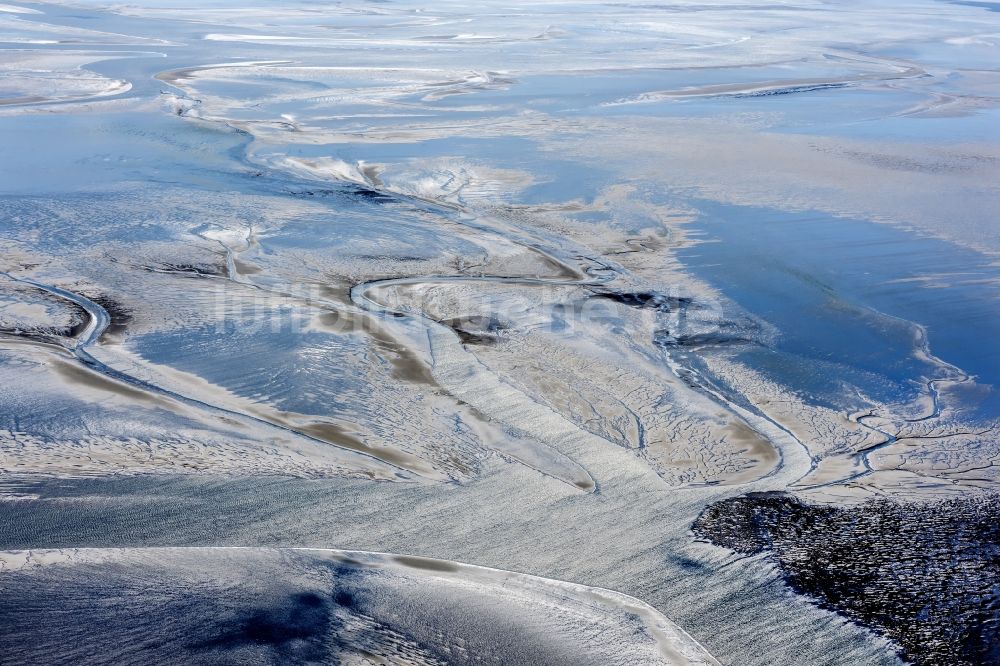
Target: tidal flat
561 332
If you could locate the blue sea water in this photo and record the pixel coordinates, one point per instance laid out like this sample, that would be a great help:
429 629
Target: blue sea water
844 293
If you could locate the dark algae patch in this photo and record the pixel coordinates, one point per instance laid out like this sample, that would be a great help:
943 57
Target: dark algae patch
926 576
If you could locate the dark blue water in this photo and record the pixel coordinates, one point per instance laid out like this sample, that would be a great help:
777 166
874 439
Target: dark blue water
828 283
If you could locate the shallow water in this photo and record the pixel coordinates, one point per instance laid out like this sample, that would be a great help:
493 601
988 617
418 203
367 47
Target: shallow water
845 296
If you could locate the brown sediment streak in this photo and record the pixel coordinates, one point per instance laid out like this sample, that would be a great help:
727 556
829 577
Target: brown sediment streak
94 373
762 452
335 434
406 365
246 268
76 373
426 563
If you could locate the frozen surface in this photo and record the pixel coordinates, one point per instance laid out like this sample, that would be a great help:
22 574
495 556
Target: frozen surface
525 286
255 606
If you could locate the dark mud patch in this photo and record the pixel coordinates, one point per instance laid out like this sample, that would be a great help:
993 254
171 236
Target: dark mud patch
371 194
646 299
389 257
724 336
353 192
45 334
119 319
476 330
426 563
64 318
202 270
76 329
926 576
